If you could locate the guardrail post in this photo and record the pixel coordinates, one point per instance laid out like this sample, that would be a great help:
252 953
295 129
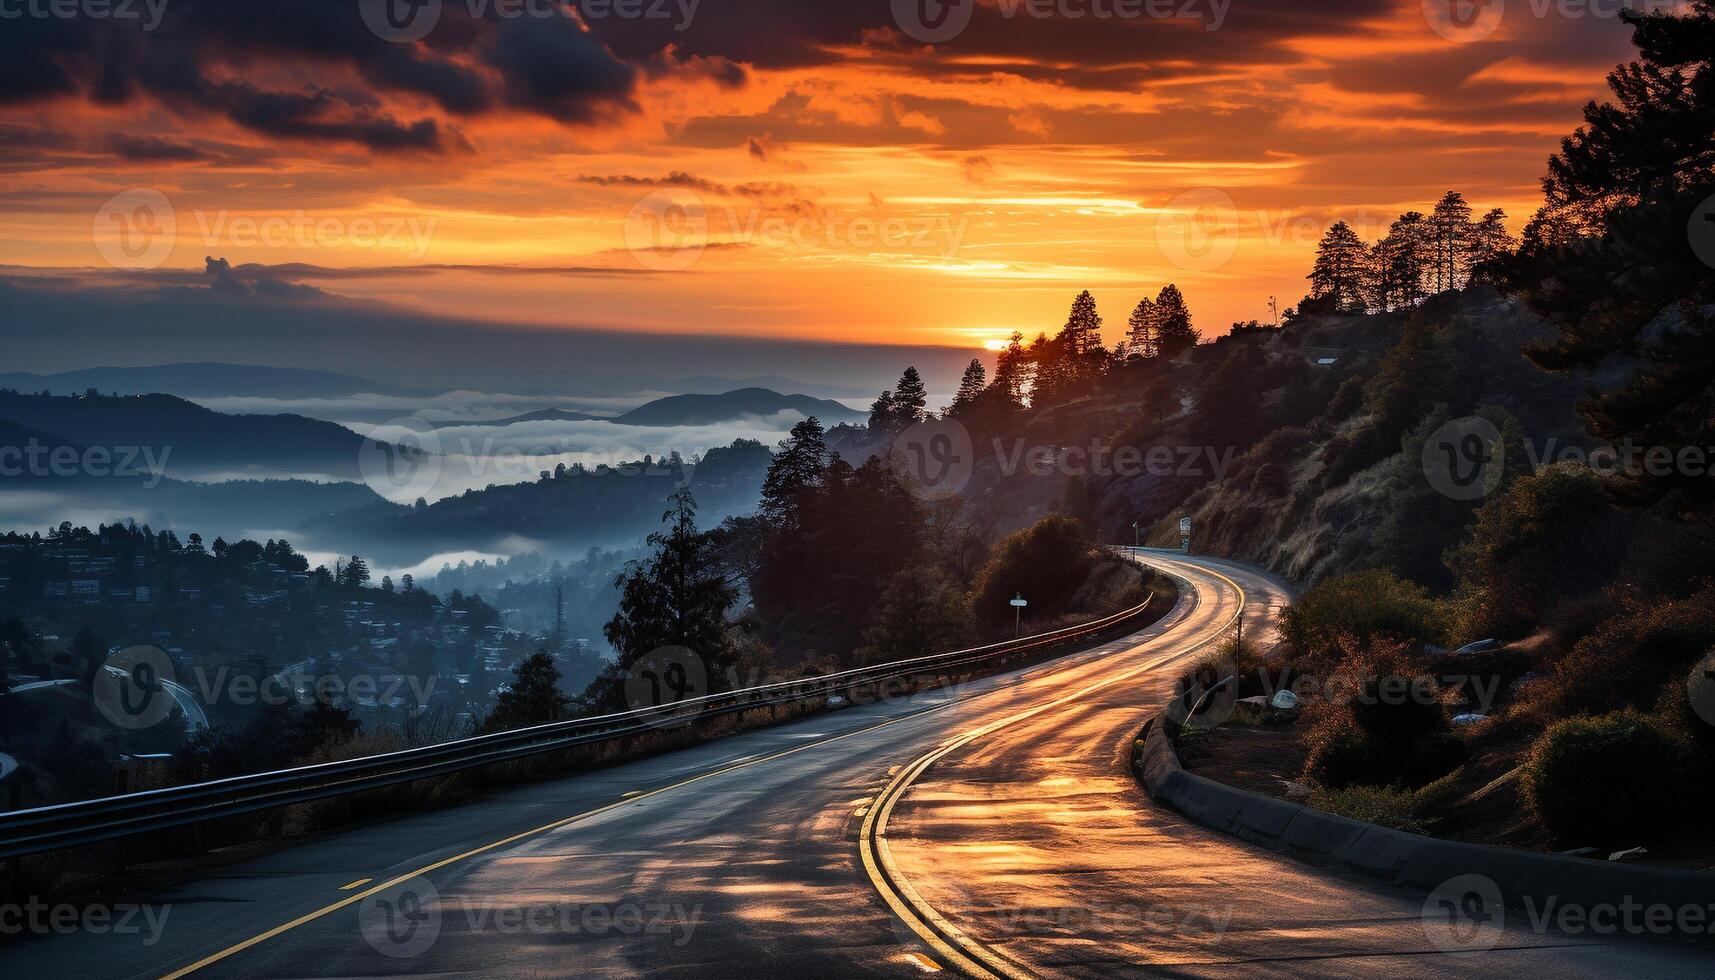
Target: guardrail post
12 879
199 839
122 786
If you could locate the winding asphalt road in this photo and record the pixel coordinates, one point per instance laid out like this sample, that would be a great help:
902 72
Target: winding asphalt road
991 828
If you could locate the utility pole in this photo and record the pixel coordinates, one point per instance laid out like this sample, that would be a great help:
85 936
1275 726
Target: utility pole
559 616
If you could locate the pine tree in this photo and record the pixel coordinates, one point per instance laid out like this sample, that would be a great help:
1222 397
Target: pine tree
1011 375
1161 399
356 572
1399 264
678 597
971 388
1607 255
1177 335
1340 270
1143 339
1656 133
1082 336
1490 239
909 399
1050 380
1450 231
533 697
882 415
798 466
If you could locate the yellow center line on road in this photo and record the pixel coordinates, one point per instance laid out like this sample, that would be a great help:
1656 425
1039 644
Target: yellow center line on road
320 913
359 883
307 918
954 946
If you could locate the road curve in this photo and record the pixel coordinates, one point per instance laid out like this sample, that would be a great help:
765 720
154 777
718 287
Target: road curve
767 855
1038 849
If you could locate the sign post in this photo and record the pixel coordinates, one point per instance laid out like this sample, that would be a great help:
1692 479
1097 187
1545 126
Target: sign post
11 796
1018 604
1136 535
1185 534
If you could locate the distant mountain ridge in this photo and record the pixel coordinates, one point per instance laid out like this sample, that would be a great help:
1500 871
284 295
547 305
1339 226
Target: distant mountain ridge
198 438
601 506
124 487
545 415
733 406
201 380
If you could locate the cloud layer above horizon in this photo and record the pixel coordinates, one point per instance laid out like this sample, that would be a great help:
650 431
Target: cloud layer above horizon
835 176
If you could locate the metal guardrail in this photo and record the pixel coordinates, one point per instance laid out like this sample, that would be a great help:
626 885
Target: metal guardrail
53 828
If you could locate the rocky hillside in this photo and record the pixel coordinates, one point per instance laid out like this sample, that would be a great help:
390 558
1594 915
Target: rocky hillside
1299 449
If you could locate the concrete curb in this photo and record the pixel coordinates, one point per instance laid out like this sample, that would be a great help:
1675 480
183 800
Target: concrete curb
1520 879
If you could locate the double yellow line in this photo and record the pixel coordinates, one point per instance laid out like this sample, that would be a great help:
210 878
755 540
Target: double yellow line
629 799
870 826
951 945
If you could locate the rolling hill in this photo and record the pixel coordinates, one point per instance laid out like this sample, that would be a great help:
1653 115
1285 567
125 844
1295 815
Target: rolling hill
735 405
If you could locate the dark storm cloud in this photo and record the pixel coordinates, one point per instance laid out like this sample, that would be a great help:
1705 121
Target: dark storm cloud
154 149
212 58
553 68
795 34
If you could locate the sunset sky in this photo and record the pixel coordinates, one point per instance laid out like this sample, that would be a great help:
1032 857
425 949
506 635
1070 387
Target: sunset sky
777 168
